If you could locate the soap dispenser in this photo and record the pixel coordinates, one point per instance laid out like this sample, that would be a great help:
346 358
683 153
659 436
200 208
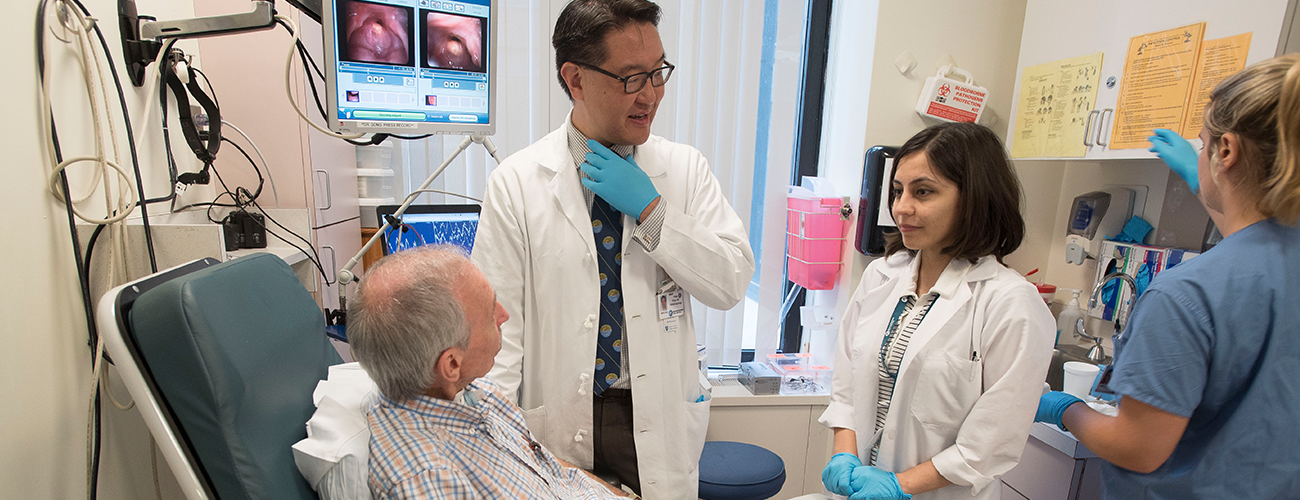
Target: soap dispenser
1065 322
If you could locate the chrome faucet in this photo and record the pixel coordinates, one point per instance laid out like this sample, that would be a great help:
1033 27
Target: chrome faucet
1098 353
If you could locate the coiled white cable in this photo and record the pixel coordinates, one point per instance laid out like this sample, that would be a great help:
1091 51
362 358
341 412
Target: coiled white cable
76 27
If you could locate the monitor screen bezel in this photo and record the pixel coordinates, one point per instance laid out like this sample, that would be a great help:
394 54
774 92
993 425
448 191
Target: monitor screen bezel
384 210
329 9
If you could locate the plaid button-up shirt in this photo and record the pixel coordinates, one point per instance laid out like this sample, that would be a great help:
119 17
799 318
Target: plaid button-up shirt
430 448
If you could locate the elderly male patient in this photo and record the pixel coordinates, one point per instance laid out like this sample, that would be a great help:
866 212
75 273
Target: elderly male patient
425 325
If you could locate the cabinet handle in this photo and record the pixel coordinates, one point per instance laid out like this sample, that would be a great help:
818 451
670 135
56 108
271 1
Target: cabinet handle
329 191
1104 112
333 257
1087 130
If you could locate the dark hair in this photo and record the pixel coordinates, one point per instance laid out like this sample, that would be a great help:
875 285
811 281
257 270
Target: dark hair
988 215
581 28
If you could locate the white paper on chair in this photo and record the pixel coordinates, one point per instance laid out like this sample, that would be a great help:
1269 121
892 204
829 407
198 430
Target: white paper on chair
334 457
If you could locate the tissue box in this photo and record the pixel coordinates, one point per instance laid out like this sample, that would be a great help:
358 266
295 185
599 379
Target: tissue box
804 381
759 378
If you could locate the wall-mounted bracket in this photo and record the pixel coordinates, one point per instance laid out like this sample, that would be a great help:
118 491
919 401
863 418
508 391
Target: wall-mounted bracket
141 41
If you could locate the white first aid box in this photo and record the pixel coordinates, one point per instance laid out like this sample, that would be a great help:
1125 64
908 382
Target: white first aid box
952 100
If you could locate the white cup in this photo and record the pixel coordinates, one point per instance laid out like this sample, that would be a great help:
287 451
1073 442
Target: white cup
1079 377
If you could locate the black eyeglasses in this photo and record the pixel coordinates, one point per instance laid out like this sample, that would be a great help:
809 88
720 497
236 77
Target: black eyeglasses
634 83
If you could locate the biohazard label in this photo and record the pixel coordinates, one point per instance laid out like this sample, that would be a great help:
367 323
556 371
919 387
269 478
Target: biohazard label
957 102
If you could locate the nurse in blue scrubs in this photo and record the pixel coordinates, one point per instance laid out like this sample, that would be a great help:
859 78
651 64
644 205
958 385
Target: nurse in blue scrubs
1209 371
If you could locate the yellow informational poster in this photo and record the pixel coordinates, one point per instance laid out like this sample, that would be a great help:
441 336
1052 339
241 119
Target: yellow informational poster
1157 81
1055 99
1219 59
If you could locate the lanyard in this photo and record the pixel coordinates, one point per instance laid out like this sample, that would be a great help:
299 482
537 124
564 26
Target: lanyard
892 331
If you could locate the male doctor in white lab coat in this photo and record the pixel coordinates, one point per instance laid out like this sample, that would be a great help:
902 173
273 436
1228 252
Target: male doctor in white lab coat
596 237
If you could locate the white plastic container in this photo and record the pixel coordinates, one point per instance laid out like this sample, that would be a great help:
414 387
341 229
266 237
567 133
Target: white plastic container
1078 378
805 381
377 156
1069 317
375 183
368 206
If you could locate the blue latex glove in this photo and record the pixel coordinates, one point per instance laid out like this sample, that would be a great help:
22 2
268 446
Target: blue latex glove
617 180
1051 407
877 485
1178 154
837 476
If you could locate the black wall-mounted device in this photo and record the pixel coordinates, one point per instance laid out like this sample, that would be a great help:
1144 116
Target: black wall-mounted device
874 219
244 230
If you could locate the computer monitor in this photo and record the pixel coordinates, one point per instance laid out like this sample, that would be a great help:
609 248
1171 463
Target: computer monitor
410 66
431 225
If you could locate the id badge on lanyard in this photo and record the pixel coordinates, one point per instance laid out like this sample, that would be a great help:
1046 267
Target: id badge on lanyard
670 303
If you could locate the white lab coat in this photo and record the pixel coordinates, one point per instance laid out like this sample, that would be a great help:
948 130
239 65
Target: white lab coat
971 418
535 246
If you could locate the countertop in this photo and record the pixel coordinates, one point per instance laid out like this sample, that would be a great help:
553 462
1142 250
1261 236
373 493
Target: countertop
1060 440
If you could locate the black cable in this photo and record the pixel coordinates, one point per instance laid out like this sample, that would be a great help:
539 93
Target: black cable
90 246
241 205
226 192
337 222
260 180
94 461
163 71
306 56
83 279
316 260
310 64
211 91
315 96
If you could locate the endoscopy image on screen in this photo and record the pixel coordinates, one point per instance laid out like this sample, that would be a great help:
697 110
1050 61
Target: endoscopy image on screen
375 33
453 41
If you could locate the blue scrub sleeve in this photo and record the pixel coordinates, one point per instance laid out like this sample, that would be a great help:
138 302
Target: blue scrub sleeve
1165 359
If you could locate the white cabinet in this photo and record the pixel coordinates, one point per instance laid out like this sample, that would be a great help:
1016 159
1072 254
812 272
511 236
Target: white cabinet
1053 467
1057 30
785 425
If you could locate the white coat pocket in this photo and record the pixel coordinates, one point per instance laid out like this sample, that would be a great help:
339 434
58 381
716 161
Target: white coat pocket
536 421
697 424
946 389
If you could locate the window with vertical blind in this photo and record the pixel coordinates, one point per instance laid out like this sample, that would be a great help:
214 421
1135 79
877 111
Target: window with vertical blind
733 96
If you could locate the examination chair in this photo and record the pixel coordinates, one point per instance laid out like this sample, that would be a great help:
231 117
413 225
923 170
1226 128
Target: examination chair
222 359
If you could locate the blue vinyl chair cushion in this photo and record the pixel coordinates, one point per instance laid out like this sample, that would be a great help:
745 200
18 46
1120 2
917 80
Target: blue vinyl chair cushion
236 350
736 471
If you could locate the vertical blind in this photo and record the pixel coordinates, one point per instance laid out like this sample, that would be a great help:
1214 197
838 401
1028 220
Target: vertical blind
711 103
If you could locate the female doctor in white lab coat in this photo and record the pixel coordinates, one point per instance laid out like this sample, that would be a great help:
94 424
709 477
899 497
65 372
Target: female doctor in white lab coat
942 350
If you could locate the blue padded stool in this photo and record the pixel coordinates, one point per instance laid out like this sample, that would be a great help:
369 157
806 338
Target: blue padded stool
739 471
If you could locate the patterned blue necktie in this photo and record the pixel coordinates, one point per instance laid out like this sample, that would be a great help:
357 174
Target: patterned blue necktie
607 225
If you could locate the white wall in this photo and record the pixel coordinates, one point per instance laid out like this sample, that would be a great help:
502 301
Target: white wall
43 420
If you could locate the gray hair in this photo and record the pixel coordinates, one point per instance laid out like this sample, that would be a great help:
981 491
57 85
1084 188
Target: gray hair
404 315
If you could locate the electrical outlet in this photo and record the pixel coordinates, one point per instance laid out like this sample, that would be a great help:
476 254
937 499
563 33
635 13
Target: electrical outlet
818 317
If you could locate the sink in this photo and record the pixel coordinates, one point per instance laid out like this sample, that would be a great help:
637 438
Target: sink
1060 355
